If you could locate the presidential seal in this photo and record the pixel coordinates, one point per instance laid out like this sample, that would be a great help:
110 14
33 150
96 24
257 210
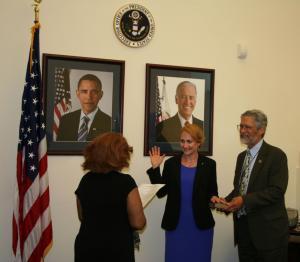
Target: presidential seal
134 25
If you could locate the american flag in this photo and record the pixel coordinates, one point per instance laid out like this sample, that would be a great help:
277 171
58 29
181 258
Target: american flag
158 113
32 226
165 107
62 99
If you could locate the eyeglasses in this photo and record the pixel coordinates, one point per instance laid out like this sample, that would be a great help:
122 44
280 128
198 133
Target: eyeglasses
240 127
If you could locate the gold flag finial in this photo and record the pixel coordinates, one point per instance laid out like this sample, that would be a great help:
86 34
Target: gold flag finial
35 27
36 10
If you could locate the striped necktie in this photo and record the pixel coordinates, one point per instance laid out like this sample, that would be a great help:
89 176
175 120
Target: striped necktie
83 130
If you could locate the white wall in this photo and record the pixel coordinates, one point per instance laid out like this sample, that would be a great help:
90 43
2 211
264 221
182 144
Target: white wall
195 33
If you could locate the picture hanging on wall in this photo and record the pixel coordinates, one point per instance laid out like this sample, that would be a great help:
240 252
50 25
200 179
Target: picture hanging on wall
83 98
175 94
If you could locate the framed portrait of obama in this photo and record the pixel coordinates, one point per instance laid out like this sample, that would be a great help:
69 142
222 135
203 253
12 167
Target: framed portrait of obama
83 98
176 95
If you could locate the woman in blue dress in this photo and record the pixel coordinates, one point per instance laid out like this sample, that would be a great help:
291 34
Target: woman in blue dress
190 185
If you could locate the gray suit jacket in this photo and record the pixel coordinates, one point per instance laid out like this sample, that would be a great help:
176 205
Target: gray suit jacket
264 201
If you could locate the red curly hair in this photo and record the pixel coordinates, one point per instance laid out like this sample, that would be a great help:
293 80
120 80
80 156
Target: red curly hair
107 152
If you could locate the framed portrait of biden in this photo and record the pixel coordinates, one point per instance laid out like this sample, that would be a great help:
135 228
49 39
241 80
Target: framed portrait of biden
83 98
176 95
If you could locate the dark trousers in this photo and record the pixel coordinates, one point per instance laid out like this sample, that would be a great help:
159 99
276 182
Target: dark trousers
249 253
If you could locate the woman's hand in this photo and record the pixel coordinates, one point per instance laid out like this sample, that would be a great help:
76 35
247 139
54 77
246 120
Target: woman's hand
219 203
155 157
215 199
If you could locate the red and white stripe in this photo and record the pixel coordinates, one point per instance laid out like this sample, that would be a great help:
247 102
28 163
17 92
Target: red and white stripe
59 110
32 226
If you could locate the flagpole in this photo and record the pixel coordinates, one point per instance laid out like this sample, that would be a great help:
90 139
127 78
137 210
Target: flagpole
36 10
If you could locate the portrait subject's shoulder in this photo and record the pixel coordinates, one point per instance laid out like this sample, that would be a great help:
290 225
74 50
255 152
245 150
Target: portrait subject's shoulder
159 125
73 114
197 121
103 116
162 124
169 121
170 124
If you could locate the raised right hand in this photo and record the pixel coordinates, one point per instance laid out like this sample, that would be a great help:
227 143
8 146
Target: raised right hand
155 157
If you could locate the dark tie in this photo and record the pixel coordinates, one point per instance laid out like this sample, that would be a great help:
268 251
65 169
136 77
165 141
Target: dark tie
83 130
245 180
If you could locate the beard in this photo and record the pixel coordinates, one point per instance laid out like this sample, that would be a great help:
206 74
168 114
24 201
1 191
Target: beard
245 140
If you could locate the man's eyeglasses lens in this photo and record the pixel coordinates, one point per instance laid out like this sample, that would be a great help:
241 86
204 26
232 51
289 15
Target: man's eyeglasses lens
239 127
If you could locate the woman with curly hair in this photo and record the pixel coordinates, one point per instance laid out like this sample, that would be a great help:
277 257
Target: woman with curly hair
108 203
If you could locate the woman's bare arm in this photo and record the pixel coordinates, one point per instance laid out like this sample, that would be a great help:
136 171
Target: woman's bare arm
135 210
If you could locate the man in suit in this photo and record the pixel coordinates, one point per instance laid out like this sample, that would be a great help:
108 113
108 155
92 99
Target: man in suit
89 121
185 98
257 200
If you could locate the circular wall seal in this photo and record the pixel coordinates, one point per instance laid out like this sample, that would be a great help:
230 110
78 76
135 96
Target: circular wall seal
134 25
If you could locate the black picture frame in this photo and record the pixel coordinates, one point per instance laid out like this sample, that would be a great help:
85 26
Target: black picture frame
60 76
161 83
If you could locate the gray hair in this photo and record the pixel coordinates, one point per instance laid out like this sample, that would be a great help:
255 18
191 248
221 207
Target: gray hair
260 117
181 84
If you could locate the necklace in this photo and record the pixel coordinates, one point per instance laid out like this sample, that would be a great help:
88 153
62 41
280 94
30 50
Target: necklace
189 162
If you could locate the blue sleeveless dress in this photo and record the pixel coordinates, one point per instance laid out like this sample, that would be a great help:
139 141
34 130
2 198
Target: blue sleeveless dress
188 243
